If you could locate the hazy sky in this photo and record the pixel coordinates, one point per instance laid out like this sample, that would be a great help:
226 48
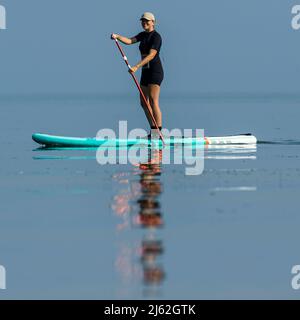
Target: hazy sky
63 46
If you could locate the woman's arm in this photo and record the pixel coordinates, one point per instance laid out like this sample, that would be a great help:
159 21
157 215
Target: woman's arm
147 59
124 39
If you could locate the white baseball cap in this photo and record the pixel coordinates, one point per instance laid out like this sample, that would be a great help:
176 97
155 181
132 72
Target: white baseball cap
148 16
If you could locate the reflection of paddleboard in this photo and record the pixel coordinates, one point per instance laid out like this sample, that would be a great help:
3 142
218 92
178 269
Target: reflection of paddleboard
60 141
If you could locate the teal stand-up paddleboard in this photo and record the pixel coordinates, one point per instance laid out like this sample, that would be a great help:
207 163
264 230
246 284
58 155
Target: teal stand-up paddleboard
65 142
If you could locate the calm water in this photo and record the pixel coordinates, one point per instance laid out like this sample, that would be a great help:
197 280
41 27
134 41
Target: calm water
70 228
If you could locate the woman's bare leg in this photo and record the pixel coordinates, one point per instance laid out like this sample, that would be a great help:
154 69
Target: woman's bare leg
154 91
145 90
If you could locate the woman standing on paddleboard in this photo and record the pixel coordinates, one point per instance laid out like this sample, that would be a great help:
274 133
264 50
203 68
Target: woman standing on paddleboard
152 70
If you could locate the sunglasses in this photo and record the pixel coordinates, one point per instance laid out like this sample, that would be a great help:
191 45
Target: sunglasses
145 21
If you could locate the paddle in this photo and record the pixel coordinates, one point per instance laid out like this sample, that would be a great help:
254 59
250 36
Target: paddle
140 89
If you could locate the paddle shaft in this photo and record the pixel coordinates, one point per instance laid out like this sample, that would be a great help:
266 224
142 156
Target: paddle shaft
140 89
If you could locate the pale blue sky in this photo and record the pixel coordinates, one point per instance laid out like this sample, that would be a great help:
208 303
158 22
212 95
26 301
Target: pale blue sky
63 46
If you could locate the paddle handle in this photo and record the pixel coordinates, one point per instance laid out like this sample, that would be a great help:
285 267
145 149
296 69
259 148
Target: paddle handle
140 89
